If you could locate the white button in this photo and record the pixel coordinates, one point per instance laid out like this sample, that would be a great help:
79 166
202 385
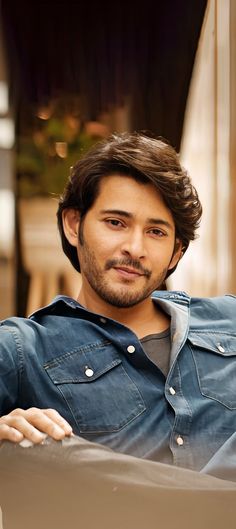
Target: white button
88 372
172 391
103 320
220 348
179 441
130 348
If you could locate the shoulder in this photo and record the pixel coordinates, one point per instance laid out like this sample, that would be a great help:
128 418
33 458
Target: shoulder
14 330
217 314
19 330
15 323
209 312
227 301
216 304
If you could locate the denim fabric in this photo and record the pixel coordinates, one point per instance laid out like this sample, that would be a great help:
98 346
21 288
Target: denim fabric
94 371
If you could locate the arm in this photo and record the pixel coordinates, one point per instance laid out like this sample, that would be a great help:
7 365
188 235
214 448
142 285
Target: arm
33 423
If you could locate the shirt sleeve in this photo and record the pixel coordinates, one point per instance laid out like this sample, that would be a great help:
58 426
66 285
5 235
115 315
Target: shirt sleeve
10 354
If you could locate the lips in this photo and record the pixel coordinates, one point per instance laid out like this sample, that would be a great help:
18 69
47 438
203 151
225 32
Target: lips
128 272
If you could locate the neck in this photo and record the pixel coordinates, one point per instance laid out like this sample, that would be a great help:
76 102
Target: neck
143 318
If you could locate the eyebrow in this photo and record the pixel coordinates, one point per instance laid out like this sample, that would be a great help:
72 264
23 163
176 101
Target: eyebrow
128 215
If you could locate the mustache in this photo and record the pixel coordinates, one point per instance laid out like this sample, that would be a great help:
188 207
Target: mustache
133 263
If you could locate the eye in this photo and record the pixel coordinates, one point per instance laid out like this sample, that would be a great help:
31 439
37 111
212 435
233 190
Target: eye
156 232
114 223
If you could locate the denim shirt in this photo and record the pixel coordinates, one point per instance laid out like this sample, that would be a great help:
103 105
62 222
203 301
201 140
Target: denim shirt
94 372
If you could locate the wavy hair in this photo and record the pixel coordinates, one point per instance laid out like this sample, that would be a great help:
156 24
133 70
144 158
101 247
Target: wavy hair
147 160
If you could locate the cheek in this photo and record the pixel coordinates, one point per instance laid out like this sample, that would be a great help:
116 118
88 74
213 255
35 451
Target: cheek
160 247
161 255
104 251
101 248
102 243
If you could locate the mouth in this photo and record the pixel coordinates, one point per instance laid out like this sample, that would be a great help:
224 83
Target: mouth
128 272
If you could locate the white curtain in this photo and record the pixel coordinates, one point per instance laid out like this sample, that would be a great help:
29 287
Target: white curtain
206 269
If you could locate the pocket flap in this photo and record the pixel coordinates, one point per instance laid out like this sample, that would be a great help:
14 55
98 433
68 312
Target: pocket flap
84 364
220 343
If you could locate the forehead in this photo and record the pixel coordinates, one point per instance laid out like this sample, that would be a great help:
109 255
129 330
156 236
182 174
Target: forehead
123 192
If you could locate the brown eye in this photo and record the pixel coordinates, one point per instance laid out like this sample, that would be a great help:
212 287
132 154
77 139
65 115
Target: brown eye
114 222
157 233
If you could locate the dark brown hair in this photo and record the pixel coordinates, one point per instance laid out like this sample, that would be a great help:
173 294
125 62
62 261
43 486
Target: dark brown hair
147 160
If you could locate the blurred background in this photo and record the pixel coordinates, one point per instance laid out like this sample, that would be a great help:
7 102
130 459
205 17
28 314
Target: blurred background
73 72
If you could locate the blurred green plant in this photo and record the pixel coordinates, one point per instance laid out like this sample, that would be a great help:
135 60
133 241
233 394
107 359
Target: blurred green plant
46 153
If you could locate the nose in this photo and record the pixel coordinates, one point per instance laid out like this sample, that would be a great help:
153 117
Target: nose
133 245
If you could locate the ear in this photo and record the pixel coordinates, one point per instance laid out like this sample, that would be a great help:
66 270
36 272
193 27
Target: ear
71 220
177 254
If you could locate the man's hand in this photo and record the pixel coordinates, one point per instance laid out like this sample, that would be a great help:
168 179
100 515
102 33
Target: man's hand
33 424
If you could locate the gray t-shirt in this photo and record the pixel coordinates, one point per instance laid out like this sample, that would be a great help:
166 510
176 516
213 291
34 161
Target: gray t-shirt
157 347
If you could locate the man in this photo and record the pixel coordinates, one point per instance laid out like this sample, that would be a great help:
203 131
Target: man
151 374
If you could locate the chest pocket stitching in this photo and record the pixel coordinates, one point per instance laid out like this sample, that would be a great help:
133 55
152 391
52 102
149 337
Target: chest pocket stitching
120 408
211 388
79 350
83 378
211 340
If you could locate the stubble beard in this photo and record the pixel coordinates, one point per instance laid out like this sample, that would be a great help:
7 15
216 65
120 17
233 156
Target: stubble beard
123 296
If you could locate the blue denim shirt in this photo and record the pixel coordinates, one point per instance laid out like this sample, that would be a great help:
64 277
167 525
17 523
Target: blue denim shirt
94 371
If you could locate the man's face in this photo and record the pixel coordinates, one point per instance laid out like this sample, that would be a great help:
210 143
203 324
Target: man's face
128 242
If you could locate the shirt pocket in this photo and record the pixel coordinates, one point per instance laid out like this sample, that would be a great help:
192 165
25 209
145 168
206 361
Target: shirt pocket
98 390
215 359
